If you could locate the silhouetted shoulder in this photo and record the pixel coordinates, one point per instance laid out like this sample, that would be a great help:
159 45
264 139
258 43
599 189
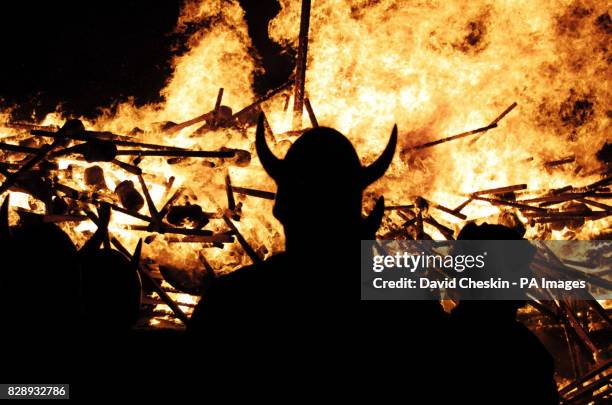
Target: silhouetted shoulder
275 266
534 349
261 281
525 355
246 298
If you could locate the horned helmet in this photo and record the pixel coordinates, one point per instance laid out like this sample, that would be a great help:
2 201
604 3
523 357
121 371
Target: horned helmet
321 180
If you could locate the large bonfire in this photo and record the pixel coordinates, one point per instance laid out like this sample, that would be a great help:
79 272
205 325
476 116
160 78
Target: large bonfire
535 75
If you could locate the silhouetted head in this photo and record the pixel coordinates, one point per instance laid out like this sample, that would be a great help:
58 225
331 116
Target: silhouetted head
508 260
486 231
40 279
320 184
111 291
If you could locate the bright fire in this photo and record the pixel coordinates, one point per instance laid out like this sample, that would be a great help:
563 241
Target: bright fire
436 68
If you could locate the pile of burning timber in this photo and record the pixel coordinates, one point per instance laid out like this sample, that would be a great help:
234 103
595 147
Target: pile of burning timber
563 208
583 322
32 166
577 205
37 175
566 207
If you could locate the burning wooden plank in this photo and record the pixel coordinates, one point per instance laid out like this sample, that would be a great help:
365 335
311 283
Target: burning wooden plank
231 203
57 218
172 230
300 69
216 238
9 166
404 214
445 209
217 106
454 137
211 115
311 114
17 148
547 201
178 312
561 269
496 120
119 140
254 108
245 245
577 327
268 195
561 190
399 207
156 224
520 206
418 224
409 221
586 295
243 116
597 204
461 206
492 125
154 301
501 190
125 211
67 190
170 202
128 167
565 215
504 113
29 127
562 309
601 195
50 218
445 231
179 153
573 390
559 162
14 177
600 183
556 198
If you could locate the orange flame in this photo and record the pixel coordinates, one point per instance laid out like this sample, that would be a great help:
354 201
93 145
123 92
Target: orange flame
434 68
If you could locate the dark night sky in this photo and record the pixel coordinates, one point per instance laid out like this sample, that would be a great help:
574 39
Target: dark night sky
91 54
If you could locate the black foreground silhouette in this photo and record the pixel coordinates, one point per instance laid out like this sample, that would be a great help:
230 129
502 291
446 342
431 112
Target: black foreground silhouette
295 310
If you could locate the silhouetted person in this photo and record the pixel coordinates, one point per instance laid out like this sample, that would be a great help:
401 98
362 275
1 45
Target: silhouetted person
39 297
320 183
499 359
39 280
110 284
300 307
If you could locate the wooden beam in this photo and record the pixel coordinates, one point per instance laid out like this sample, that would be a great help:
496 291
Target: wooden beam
178 312
300 70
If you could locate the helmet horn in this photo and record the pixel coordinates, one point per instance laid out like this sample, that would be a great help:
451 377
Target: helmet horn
374 171
270 163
